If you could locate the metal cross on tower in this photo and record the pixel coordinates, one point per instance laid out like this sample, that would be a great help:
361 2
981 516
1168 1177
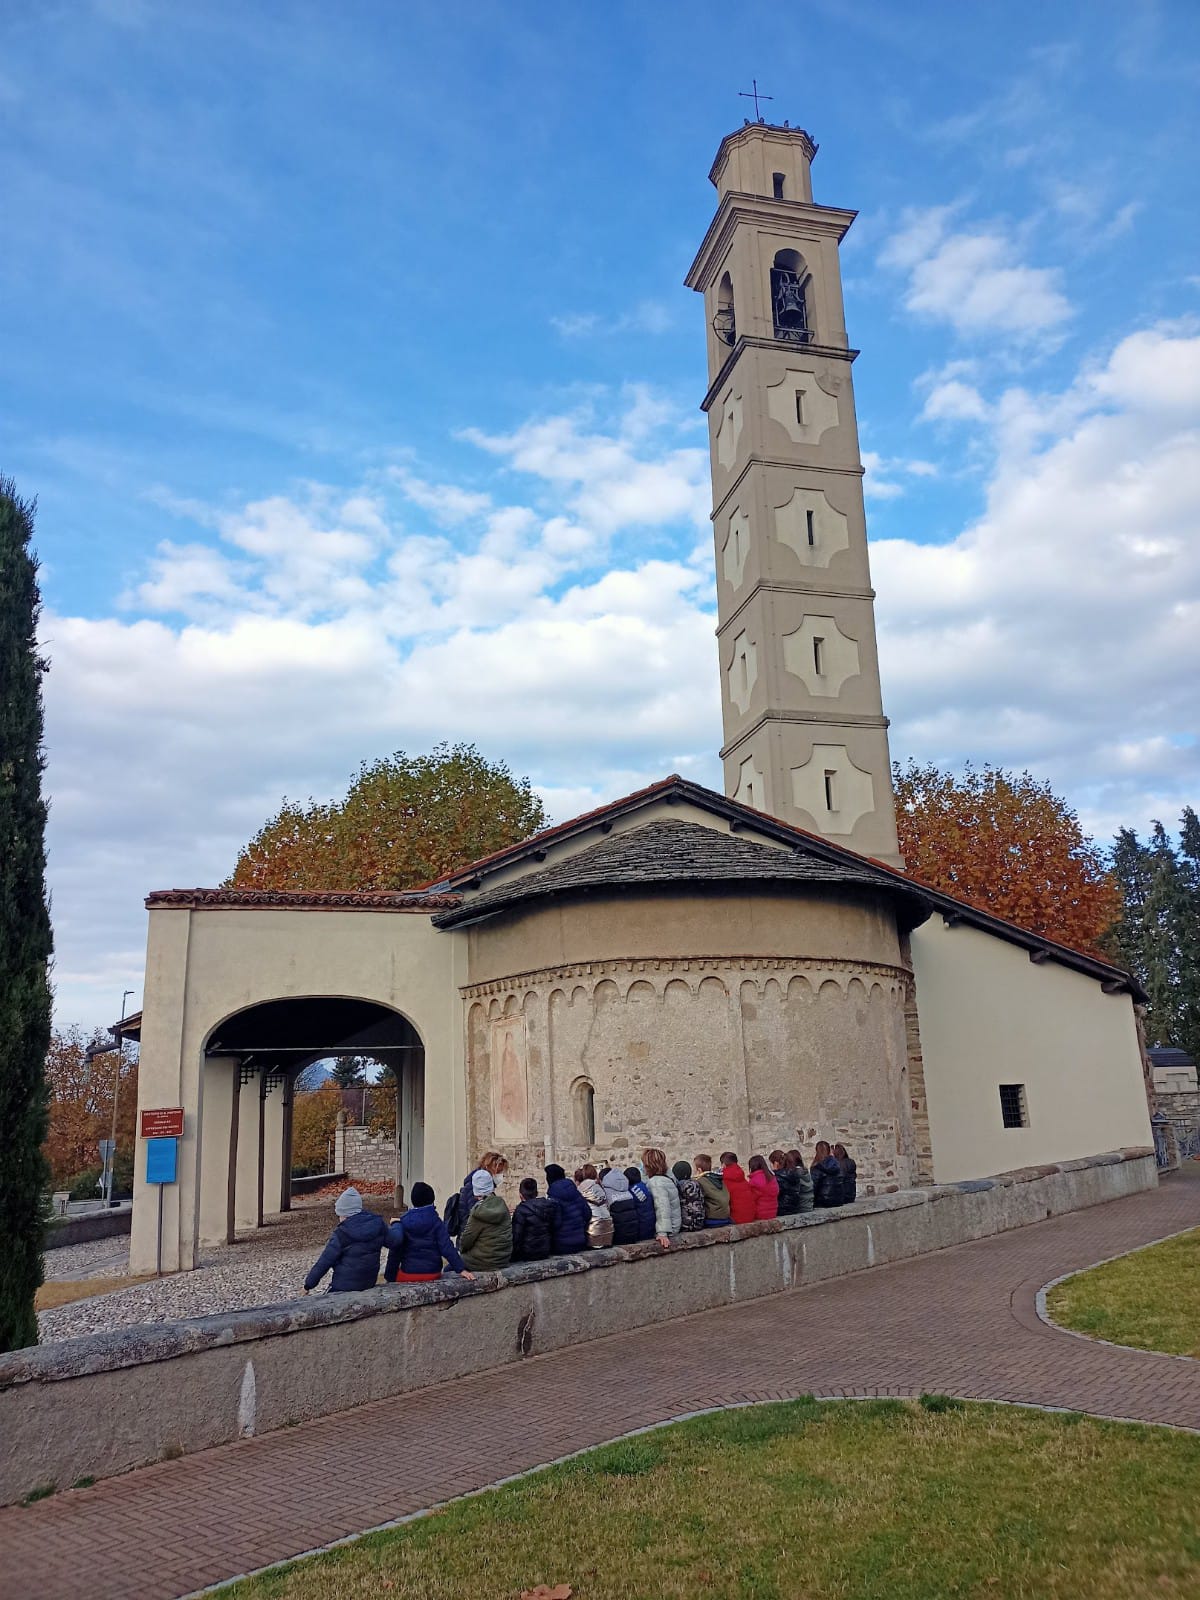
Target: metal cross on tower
753 94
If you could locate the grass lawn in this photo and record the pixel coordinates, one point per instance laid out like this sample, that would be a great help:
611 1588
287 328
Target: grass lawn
61 1292
849 1500
1150 1299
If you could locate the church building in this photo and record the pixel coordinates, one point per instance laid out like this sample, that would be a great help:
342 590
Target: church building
679 968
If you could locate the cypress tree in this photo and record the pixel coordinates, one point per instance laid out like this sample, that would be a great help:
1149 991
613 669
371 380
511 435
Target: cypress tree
25 942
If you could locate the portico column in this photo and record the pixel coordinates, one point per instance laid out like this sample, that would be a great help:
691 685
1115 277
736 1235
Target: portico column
218 1149
273 1130
289 1103
245 1212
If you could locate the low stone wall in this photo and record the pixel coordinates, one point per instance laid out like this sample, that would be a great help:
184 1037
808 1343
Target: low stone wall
92 1225
102 1404
315 1180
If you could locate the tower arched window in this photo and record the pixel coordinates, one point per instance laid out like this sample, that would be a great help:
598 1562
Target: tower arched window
583 1109
790 280
724 322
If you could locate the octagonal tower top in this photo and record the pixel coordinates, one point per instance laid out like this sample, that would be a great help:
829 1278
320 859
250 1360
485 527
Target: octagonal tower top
770 159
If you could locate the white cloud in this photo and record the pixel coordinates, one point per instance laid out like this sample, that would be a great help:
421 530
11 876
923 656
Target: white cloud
883 474
1061 631
648 316
973 279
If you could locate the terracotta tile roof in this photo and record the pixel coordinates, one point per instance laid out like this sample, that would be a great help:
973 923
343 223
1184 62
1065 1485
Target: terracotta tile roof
302 900
675 851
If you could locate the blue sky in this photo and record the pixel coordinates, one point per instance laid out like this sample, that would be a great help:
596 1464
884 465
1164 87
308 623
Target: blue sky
347 353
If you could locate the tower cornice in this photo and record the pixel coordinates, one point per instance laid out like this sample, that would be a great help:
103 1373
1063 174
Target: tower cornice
737 209
823 719
788 465
786 586
750 341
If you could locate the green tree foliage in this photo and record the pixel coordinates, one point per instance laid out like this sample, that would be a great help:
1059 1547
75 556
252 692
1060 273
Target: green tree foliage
347 1072
405 821
1158 935
25 942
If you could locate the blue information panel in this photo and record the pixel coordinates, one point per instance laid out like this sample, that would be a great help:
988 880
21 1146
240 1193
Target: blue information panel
161 1160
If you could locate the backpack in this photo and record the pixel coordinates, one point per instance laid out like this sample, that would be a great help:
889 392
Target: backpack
452 1213
691 1204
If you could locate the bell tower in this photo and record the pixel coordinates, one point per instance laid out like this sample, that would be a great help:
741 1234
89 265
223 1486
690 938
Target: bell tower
805 734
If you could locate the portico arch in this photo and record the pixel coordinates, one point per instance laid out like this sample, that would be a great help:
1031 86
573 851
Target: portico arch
251 1060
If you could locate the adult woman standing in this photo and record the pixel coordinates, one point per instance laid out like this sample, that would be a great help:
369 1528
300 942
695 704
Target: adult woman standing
495 1165
668 1218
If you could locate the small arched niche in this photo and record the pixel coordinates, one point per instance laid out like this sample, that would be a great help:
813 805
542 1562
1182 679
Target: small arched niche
583 1112
724 320
790 281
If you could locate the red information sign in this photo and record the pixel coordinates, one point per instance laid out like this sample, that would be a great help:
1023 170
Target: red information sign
165 1123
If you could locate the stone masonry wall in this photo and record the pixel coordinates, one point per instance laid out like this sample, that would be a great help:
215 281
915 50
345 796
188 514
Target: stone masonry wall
370 1157
697 1054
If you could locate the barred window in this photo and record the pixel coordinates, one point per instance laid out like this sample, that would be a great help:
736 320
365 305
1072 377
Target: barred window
1013 1107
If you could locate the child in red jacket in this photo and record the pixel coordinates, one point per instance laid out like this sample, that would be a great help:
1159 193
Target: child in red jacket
741 1196
765 1187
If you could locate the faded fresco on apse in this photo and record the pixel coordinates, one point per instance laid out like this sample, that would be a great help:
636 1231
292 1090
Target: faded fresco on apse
510 1093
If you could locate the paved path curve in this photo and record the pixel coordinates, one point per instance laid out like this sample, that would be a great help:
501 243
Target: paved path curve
962 1321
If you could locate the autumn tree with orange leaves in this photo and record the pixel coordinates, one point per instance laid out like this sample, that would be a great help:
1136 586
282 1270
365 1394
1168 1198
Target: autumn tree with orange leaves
405 821
81 1104
1010 845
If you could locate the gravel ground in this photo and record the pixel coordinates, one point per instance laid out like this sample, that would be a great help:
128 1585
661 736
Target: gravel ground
260 1268
98 1258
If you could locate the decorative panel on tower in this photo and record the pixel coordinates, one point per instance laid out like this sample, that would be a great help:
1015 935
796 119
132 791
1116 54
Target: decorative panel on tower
805 734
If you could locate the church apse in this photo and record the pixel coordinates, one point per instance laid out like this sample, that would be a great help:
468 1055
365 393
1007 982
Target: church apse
698 1053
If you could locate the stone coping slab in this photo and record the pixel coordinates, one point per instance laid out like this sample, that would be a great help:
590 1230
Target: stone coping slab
129 1347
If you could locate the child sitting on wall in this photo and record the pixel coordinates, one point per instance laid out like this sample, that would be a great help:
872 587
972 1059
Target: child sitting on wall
741 1196
691 1197
600 1228
352 1253
643 1200
486 1241
420 1242
533 1224
716 1195
622 1207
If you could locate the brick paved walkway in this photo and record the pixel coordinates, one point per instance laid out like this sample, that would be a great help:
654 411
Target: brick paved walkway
962 1321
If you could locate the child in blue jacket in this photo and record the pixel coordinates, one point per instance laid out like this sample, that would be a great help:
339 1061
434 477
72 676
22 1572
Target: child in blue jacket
352 1253
420 1242
644 1201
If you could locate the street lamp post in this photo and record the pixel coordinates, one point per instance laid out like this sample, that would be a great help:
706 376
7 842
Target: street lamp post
112 1170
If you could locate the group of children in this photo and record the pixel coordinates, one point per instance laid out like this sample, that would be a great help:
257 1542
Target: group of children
599 1207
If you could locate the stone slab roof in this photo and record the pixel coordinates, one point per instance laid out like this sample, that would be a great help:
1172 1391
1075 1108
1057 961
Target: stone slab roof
675 851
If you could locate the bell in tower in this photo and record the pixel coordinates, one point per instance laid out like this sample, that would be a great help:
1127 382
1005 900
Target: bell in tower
805 735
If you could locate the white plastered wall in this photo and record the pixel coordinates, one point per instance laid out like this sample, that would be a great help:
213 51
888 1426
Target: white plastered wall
989 1016
203 965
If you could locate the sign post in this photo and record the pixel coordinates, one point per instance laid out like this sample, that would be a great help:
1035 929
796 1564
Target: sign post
108 1154
162 1130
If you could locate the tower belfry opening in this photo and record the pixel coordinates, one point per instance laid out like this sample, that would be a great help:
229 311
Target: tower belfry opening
805 734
